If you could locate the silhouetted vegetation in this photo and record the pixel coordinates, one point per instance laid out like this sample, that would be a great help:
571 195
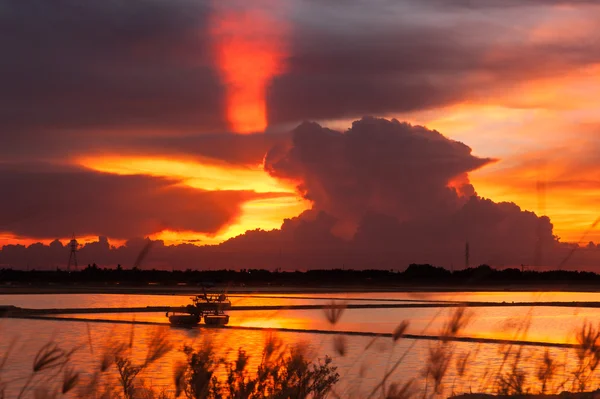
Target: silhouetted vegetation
426 275
283 372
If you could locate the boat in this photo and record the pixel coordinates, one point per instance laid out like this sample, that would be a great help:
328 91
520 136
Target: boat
213 307
209 307
216 319
184 319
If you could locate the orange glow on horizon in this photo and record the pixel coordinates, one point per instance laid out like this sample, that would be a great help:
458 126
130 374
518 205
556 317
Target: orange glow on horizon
11 239
263 213
249 51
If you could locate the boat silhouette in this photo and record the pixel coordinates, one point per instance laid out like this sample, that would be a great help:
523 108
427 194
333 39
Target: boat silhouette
209 307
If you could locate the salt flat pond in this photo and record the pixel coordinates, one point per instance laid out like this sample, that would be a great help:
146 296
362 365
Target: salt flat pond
365 359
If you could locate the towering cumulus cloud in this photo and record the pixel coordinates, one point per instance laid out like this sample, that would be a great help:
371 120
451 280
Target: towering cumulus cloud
400 193
384 194
377 166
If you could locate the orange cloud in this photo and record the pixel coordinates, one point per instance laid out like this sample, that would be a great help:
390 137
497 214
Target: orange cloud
540 130
205 176
569 197
249 45
264 213
11 239
563 24
532 145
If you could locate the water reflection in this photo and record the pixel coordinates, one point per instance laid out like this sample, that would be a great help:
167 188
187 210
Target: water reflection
37 301
545 324
134 300
364 360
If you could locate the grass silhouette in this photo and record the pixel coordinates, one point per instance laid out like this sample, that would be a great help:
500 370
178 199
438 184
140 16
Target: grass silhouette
283 372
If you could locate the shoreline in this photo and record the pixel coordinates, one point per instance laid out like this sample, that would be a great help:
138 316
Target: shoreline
267 289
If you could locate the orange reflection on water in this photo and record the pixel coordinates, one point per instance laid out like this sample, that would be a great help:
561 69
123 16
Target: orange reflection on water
249 45
554 324
279 319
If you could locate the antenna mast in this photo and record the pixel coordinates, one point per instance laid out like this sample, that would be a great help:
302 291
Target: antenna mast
74 245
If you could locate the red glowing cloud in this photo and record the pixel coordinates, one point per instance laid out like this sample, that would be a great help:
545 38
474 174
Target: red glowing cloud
249 49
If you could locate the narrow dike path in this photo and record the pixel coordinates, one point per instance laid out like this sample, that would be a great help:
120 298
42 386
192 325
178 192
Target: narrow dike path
14 311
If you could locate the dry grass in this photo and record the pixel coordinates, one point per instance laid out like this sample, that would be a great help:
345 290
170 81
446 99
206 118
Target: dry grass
521 371
283 372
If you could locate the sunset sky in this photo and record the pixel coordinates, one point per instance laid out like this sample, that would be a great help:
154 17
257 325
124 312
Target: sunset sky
158 118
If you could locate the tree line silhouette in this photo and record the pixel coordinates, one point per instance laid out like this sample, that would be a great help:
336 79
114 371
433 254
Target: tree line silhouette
421 274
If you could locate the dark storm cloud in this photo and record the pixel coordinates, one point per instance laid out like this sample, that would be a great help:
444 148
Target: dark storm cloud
52 202
349 60
110 64
403 193
498 234
373 69
478 4
81 71
247 149
110 76
472 4
376 166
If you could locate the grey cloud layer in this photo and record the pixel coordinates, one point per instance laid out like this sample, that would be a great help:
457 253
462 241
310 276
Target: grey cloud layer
109 64
87 70
53 202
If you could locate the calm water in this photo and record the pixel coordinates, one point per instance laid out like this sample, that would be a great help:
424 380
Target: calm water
362 366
